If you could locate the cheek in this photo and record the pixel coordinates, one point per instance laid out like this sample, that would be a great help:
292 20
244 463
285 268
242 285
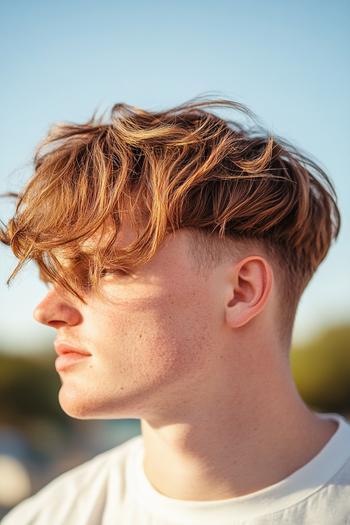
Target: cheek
162 338
178 344
148 357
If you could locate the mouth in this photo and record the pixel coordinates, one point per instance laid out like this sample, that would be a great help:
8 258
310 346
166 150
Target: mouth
68 356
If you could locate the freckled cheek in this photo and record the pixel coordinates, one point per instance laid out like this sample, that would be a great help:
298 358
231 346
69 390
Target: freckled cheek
163 335
174 346
152 344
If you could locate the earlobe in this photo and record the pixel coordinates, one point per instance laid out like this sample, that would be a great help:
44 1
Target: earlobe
250 286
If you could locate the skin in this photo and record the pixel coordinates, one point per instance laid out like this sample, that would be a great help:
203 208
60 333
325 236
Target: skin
198 360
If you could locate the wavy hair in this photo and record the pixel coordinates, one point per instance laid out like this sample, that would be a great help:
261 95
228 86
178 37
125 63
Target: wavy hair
233 185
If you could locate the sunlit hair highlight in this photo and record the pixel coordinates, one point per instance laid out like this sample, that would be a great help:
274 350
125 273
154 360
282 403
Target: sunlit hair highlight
234 186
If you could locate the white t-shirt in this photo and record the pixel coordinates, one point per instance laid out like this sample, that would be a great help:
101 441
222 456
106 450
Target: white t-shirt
112 489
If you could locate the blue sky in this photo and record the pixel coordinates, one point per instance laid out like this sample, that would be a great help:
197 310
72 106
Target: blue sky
287 61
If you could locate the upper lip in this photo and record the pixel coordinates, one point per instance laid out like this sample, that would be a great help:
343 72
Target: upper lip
63 347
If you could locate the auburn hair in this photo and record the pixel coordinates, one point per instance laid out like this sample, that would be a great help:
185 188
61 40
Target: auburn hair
233 185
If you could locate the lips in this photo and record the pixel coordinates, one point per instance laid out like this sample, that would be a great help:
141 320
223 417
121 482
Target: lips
66 348
68 355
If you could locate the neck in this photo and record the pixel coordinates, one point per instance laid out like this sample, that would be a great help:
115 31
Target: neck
233 443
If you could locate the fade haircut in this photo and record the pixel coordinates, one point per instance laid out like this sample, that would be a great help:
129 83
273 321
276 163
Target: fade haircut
236 188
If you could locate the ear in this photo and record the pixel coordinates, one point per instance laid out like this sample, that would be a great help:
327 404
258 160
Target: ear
249 290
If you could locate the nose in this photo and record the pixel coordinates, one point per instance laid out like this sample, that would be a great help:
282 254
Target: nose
56 311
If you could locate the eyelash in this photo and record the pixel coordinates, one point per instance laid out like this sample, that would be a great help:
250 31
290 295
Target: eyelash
104 272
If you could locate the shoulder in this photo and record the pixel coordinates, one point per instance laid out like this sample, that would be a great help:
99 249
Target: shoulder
76 492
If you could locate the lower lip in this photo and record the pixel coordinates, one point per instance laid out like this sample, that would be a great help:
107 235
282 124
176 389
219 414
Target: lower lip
64 361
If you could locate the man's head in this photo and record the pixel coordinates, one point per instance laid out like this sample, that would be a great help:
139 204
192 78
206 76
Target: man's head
169 236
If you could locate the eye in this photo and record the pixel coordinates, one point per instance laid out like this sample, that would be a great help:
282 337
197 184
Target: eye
118 273
105 272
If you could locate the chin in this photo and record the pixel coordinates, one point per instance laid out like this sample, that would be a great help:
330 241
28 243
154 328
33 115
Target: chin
76 404
72 407
87 405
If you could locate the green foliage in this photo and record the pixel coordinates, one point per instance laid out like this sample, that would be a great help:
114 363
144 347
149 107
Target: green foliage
28 390
321 369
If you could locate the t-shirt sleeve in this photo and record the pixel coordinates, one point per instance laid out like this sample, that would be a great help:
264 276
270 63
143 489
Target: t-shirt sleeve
25 513
51 504
71 498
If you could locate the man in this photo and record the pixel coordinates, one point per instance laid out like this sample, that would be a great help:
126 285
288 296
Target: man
176 246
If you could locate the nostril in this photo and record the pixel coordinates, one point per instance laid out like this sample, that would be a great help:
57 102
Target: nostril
56 324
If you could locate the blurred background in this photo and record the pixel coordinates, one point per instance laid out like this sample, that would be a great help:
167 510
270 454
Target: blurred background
287 61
